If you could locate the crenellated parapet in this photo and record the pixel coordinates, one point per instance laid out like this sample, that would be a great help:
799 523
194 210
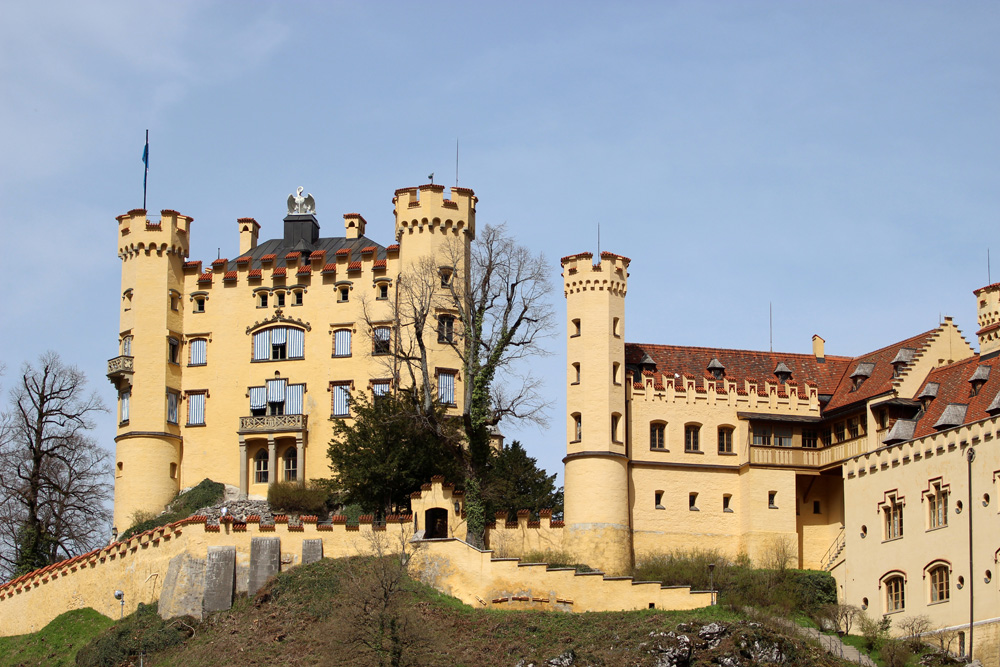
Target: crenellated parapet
425 209
167 236
580 274
742 394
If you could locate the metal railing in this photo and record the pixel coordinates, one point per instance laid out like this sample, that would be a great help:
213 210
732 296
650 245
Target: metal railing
830 557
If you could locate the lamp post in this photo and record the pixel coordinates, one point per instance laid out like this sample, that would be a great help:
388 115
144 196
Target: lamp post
120 596
711 580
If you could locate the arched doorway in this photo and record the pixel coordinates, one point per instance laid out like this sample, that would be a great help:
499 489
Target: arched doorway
435 523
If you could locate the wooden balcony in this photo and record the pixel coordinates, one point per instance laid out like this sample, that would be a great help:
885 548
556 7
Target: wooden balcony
807 457
120 371
272 424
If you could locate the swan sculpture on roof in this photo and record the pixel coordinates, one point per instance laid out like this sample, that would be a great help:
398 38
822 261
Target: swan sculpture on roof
299 204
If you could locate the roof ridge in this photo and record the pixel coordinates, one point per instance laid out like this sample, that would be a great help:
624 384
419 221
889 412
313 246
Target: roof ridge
805 355
901 343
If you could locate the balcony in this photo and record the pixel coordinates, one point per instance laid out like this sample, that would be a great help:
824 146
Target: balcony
807 457
272 424
120 371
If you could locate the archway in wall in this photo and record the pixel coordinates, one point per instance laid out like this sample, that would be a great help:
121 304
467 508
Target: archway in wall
435 523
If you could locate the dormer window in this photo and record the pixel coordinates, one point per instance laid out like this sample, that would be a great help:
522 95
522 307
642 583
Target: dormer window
716 368
953 415
928 394
782 372
861 373
978 379
902 358
646 363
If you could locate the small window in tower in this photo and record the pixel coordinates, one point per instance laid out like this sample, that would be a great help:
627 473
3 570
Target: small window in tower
127 300
726 500
262 300
772 500
279 299
383 291
577 427
576 373
616 327
445 277
175 301
693 502
658 500
615 369
575 328
172 400
816 507
199 304
173 350
343 294
615 423
173 471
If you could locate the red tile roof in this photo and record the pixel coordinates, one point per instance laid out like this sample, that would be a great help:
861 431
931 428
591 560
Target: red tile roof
393 248
303 271
983 289
378 264
219 262
367 250
880 380
205 278
330 268
739 364
193 265
243 260
279 272
343 251
254 273
354 266
295 254
954 387
269 258
317 254
230 275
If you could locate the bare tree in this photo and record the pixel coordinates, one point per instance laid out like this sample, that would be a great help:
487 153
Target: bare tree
54 479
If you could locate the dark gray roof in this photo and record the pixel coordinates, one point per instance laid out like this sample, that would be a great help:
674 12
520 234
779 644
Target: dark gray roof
331 245
904 356
995 405
930 390
863 369
772 417
953 415
901 431
982 374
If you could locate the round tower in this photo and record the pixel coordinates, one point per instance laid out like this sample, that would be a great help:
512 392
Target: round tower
596 474
147 370
430 226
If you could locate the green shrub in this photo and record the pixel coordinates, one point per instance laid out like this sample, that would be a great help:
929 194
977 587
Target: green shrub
205 494
555 559
290 497
142 632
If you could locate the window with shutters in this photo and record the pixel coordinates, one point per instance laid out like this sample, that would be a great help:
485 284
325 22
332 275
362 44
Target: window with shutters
380 388
341 399
277 397
196 409
342 343
446 387
380 340
276 343
197 348
126 397
172 399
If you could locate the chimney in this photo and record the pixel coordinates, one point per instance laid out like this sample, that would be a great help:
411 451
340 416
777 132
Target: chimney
301 227
354 225
818 345
249 229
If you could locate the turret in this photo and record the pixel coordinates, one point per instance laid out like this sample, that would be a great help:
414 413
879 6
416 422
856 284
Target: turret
427 223
988 312
596 460
150 348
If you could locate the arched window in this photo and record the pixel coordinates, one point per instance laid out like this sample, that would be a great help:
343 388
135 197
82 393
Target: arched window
127 346
691 437
657 435
939 576
577 427
291 465
894 584
260 467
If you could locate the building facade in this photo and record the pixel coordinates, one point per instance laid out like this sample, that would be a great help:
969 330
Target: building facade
856 465
235 370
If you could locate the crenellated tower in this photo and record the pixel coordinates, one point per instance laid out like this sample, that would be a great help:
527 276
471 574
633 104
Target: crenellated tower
988 312
147 372
596 477
428 225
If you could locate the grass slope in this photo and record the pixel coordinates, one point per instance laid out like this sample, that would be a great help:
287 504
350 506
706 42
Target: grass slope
57 643
310 616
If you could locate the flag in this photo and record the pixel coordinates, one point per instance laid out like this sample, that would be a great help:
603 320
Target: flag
145 154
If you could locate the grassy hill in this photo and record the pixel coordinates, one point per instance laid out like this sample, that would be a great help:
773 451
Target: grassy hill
57 643
364 611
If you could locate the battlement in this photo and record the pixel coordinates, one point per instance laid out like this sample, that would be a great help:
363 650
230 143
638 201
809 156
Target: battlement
581 274
746 394
425 208
988 316
168 235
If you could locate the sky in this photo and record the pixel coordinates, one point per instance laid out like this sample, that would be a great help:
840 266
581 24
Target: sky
833 161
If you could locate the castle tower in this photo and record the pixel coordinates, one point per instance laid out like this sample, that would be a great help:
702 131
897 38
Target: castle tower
596 475
988 312
148 442
428 225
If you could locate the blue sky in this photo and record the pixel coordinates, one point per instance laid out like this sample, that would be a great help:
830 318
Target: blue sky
836 159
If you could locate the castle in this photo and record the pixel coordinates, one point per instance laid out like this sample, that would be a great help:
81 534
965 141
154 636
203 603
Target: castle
882 469
234 371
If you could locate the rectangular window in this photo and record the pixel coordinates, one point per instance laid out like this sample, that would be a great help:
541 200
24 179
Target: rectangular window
658 500
296 341
446 329
258 401
809 439
173 350
343 294
816 507
782 436
577 428
691 432
383 291
294 395
852 427
262 300
342 343
937 504
762 436
380 388
446 388
171 407
838 431
279 299
198 349
772 500
380 340
893 514
341 400
262 345
725 440
657 436
127 346
196 410
298 297
199 304
126 397
279 343
291 465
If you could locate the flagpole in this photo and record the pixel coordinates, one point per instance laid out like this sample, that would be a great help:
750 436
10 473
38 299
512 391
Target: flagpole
145 175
